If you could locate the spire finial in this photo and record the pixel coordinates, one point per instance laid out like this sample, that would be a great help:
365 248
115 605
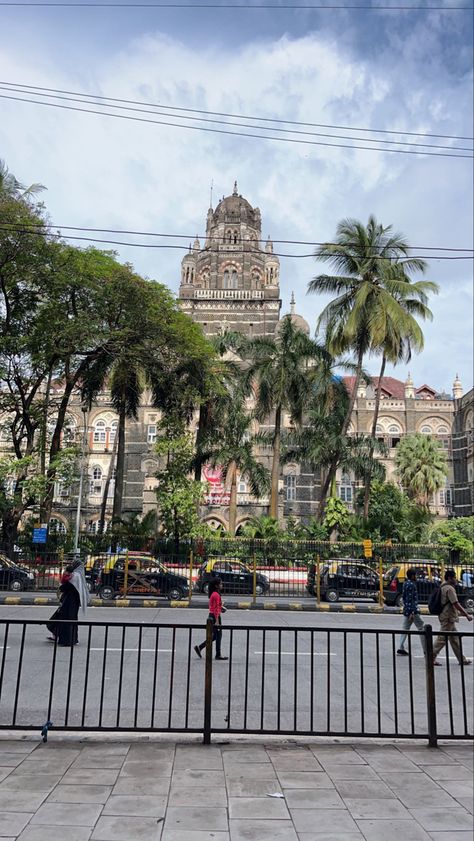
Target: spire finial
292 303
235 193
210 197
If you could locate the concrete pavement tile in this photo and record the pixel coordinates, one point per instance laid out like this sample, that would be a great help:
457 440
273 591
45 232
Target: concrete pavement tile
196 796
18 745
4 772
137 768
11 823
136 805
287 762
107 748
80 794
350 772
96 760
198 778
310 820
467 802
55 833
67 814
185 760
418 782
48 766
370 790
448 772
336 755
304 779
247 830
313 798
150 753
427 756
132 785
393 830
391 762
438 819
449 836
459 752
424 799
263 808
11 760
21 801
241 787
193 835
196 817
247 756
127 829
93 776
370 808
330 836
254 770
44 751
32 782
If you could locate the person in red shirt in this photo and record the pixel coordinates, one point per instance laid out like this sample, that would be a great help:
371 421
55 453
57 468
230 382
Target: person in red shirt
216 609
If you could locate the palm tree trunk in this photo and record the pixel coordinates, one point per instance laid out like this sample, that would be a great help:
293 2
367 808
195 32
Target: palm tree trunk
233 501
353 395
373 436
110 472
326 486
202 424
275 465
120 473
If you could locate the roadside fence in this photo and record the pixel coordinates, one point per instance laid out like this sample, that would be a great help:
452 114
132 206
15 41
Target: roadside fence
289 681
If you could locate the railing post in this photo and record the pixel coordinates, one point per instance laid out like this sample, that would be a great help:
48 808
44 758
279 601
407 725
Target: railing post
430 689
125 579
208 684
318 580
381 599
254 583
191 558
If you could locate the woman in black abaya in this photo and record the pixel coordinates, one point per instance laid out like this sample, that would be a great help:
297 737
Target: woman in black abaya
74 594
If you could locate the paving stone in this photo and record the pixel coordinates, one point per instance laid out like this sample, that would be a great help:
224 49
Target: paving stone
304 779
253 771
193 835
288 762
132 785
467 802
11 760
313 798
80 794
196 796
30 782
55 833
424 799
48 766
449 836
137 768
107 748
186 760
391 762
350 772
382 808
427 756
67 814
241 787
196 817
438 819
370 790
17 745
393 830
62 755
331 836
11 823
136 805
84 776
264 808
96 760
150 753
4 773
198 778
448 772
248 830
249 755
335 755
418 782
127 829
310 820
21 801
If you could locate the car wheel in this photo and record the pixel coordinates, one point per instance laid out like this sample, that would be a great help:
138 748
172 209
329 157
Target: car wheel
16 585
205 589
399 600
468 603
107 593
259 590
332 596
175 594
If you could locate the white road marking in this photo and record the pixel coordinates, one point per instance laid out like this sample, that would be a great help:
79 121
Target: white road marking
300 653
142 650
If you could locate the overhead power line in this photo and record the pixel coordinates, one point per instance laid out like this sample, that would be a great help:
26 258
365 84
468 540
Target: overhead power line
237 125
15 85
276 7
231 251
168 123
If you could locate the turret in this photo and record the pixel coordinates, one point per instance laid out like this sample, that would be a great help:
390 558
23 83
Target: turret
409 388
457 388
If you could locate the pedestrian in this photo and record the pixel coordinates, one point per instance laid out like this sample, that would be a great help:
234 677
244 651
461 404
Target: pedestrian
73 595
216 608
448 618
411 612
466 578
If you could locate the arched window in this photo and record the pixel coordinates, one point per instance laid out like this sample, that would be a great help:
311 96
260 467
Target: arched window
426 430
242 486
95 483
226 279
443 430
345 488
99 432
394 428
234 281
113 431
69 433
229 236
57 526
379 429
290 487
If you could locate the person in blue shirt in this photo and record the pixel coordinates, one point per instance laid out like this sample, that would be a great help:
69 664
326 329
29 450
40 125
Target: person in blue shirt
411 612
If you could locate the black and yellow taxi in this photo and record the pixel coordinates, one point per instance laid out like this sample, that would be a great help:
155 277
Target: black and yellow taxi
236 577
139 574
428 576
344 578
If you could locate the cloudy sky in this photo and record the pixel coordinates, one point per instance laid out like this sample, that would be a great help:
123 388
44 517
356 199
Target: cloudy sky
392 70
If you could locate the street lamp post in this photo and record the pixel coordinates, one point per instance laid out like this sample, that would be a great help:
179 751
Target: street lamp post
81 483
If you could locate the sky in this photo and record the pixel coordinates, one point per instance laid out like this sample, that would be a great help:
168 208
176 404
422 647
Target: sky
392 70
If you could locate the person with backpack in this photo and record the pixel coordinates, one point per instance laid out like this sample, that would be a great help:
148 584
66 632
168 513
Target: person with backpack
411 612
446 599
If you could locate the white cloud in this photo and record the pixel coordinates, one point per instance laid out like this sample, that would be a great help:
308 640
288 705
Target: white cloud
112 173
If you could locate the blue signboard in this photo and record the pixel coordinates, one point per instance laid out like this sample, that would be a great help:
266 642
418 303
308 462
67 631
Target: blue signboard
40 535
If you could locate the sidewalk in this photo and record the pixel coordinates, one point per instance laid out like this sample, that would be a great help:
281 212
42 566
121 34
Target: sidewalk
95 790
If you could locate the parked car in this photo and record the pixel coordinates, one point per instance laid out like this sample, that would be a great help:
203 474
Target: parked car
14 576
344 578
428 577
146 575
236 577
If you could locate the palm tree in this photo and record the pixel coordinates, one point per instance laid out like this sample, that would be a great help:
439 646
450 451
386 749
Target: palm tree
279 370
421 466
375 302
262 528
233 452
11 188
126 389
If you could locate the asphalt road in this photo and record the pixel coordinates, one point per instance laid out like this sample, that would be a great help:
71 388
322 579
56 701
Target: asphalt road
296 672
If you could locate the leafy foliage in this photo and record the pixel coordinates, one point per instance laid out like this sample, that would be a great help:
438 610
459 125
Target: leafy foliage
421 466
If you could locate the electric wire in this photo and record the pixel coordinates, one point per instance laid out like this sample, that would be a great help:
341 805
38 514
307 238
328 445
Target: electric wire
243 6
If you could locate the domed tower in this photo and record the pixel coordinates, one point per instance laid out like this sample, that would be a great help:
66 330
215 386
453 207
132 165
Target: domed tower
297 320
232 279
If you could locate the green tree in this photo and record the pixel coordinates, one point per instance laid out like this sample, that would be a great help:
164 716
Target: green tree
421 466
177 493
337 517
136 531
457 535
263 528
279 371
392 514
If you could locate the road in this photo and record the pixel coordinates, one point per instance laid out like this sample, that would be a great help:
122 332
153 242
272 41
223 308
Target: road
296 672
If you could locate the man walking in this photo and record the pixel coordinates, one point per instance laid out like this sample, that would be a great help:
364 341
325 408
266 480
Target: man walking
411 612
448 618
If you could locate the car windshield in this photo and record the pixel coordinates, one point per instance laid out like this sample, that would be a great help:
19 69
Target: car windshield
6 562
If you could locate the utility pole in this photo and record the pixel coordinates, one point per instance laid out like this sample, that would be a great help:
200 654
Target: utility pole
81 482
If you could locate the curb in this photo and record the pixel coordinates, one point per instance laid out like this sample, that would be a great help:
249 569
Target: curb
306 606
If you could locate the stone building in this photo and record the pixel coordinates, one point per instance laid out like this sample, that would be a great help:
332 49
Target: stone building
463 452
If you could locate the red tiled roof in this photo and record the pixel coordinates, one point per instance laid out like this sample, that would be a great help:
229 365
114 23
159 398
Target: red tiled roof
393 387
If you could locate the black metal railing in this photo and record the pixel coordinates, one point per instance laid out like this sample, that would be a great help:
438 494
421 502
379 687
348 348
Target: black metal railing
291 681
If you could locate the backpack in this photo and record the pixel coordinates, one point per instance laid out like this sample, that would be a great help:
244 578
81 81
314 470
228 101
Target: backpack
434 605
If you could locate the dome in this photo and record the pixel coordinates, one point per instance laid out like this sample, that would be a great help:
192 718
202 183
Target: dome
235 207
297 320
